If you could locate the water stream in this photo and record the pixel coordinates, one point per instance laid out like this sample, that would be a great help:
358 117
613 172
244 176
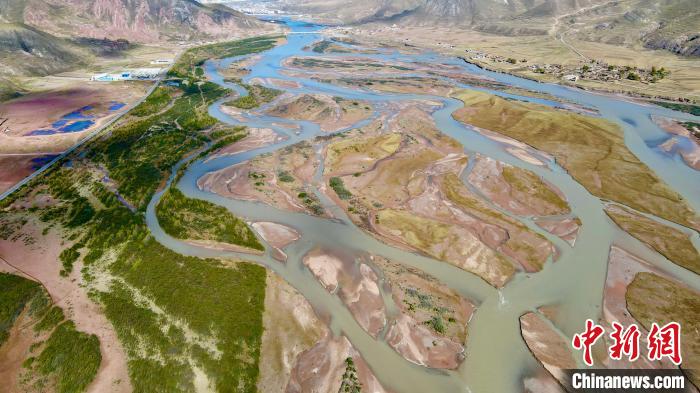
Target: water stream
497 358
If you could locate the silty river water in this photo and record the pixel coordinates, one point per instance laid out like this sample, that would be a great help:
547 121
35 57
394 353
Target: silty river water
497 358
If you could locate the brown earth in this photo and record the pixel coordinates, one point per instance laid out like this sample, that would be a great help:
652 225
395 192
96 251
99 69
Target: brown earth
331 113
279 179
276 235
356 285
291 328
406 190
321 368
565 228
40 260
256 138
547 345
516 190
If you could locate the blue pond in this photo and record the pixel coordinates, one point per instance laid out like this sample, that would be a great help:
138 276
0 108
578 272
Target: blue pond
77 120
38 162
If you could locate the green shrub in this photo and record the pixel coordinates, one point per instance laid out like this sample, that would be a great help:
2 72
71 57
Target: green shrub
71 357
337 185
15 294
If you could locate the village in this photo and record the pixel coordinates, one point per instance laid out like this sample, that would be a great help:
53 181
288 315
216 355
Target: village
593 70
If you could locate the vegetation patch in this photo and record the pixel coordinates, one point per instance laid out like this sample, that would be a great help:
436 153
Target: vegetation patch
171 312
69 356
687 108
16 293
669 242
337 185
195 57
654 299
257 95
592 150
528 183
350 383
154 103
195 219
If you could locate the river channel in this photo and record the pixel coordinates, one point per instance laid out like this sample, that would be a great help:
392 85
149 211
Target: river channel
497 358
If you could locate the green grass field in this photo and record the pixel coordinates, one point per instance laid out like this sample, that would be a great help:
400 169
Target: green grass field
68 361
221 305
186 218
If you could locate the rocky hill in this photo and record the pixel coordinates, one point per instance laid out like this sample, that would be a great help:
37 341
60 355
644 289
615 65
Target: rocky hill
144 21
672 25
657 24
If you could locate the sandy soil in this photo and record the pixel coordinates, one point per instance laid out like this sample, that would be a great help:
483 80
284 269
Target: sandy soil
257 137
278 179
291 328
278 83
235 182
411 196
423 297
547 345
565 228
223 246
16 349
356 285
276 235
683 142
40 260
531 197
622 267
330 114
321 368
420 345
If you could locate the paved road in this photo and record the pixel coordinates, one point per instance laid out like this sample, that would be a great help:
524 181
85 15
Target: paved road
88 138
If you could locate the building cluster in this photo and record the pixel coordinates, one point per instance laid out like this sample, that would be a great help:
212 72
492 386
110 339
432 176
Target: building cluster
593 70
129 75
481 56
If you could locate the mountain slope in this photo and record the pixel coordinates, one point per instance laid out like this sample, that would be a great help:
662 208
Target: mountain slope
673 25
25 50
136 20
657 24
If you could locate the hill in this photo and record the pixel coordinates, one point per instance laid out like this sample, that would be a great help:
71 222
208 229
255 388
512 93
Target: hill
144 21
656 24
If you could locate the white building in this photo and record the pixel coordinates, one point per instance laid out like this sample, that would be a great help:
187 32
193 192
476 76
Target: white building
161 61
137 74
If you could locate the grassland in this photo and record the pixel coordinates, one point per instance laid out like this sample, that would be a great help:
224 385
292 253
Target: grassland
68 360
16 293
195 57
257 95
175 315
651 298
154 103
448 243
529 184
69 356
669 242
186 218
337 185
358 153
592 150
687 108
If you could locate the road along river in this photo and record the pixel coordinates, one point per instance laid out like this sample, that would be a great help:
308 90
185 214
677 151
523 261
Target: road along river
497 359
